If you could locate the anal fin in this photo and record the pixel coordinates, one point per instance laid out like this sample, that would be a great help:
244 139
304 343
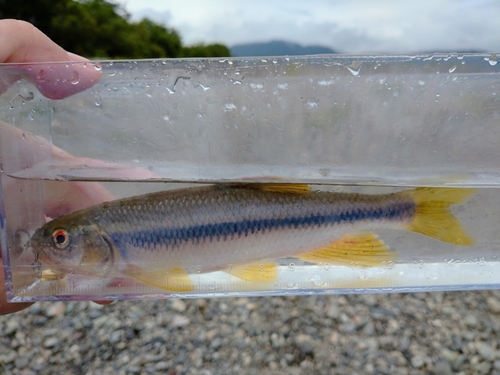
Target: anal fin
255 272
365 250
173 280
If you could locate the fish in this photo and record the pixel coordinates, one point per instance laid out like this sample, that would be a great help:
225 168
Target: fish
160 239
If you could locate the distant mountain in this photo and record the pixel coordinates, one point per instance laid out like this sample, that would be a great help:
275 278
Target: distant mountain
277 48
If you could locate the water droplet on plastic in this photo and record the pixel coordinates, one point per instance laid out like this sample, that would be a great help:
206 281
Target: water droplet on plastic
312 104
316 280
452 69
11 107
354 67
98 67
256 86
41 75
493 59
112 74
26 94
205 88
97 100
199 115
421 82
166 118
75 78
229 107
30 116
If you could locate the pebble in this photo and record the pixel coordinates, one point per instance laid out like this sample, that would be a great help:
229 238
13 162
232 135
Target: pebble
115 336
401 334
304 343
21 362
51 342
179 305
493 304
486 351
10 327
55 309
470 320
442 367
180 321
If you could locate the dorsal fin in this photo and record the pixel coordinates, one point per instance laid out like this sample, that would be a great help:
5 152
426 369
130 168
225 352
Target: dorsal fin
275 187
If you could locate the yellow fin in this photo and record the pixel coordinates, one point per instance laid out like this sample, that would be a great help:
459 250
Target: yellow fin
51 275
173 280
365 250
255 272
279 187
433 216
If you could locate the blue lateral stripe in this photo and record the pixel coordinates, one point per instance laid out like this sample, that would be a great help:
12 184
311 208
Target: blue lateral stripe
176 236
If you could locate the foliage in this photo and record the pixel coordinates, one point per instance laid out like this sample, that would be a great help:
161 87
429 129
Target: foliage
102 29
201 50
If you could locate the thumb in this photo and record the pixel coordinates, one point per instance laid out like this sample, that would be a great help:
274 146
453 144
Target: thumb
63 73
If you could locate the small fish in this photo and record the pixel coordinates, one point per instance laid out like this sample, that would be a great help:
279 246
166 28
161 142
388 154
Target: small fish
161 238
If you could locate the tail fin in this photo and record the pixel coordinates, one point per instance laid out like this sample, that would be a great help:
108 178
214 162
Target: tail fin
433 216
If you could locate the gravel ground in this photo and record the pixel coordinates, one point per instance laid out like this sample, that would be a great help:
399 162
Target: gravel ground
420 333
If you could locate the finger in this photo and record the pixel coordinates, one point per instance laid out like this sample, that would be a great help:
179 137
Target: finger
5 307
23 43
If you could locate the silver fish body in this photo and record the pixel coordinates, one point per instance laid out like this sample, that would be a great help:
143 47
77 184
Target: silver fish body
213 228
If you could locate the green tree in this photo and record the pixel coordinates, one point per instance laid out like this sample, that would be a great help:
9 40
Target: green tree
102 29
161 42
210 50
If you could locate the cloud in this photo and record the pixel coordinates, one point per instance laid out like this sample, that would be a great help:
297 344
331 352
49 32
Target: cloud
351 27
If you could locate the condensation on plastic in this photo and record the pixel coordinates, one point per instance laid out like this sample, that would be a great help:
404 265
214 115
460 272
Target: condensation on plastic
368 123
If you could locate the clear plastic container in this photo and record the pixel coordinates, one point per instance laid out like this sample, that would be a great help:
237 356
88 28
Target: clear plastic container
350 124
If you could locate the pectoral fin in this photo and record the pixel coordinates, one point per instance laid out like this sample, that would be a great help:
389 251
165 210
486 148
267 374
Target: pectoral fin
173 280
365 250
255 272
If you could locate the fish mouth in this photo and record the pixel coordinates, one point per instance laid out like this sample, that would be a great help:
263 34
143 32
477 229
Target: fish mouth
49 274
37 265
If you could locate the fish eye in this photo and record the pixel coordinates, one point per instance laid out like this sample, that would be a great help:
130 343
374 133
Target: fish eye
60 238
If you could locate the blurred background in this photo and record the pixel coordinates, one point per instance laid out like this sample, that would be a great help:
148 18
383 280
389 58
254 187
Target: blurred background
454 332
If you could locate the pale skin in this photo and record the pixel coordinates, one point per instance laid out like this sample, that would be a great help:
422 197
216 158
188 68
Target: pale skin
21 42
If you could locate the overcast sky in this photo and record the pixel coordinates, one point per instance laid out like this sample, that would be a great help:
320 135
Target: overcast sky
355 26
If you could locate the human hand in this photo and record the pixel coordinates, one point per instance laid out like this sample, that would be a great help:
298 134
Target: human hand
23 43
